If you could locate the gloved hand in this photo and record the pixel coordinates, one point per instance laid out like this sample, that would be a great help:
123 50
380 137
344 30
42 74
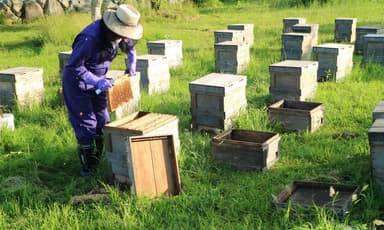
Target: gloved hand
103 84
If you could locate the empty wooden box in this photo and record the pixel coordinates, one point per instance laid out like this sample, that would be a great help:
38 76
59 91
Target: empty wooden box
141 124
216 99
373 48
289 22
63 60
335 60
132 105
296 46
229 35
378 112
246 149
376 144
248 31
172 49
297 115
293 80
154 73
231 57
361 31
21 85
312 29
345 30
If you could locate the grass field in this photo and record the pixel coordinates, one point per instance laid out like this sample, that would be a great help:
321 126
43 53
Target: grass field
39 167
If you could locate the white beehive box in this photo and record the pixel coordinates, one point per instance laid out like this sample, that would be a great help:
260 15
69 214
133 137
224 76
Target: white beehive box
345 30
154 73
373 48
229 35
289 22
7 121
231 57
293 80
172 49
63 60
335 60
312 29
296 46
21 85
361 31
248 31
141 124
216 99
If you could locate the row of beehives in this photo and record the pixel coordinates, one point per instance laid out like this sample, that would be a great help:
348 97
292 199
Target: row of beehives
299 39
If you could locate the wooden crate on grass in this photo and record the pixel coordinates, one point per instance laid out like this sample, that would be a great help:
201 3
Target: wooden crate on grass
229 35
376 144
345 30
296 46
248 31
289 22
216 99
141 124
154 73
297 115
335 60
293 80
21 85
172 49
246 149
361 31
231 57
373 48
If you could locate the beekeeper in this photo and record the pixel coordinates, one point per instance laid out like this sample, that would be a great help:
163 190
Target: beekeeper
84 77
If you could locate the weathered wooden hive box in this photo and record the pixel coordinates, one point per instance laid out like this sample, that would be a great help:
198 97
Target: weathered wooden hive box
345 30
172 49
299 116
21 85
289 22
132 105
296 46
378 112
373 48
248 31
63 60
246 149
312 29
293 80
361 31
229 35
216 99
376 144
154 73
231 57
7 121
335 60
141 124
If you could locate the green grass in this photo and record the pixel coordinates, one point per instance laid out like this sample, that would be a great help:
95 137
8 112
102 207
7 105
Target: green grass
39 165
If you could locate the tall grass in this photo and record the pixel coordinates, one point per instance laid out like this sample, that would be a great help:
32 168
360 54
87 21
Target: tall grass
39 165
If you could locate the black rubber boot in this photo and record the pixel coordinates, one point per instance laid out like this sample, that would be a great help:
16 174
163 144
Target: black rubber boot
87 159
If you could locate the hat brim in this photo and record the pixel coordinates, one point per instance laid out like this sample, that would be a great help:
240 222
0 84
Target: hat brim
113 23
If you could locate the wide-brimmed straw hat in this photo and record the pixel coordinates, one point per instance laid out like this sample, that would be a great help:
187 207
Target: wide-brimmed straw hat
124 21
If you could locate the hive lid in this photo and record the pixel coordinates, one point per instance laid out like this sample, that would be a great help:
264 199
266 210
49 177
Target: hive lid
23 72
218 83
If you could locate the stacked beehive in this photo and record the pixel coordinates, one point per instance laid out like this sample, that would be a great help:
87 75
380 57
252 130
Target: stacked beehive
216 99
373 48
172 49
293 80
376 144
21 86
345 30
361 31
135 164
296 46
289 22
312 29
229 35
154 73
335 60
247 29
